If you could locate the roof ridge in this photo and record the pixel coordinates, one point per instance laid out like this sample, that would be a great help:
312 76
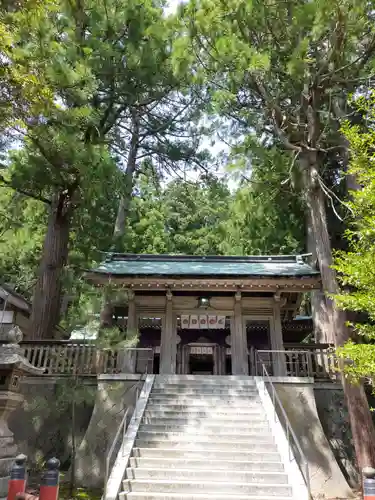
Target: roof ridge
114 256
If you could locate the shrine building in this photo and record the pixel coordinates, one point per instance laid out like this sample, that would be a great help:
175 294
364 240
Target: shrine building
208 315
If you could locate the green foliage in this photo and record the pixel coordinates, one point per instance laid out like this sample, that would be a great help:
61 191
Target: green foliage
358 361
181 217
22 222
199 218
80 494
280 73
114 337
357 266
104 66
270 64
195 215
267 213
99 67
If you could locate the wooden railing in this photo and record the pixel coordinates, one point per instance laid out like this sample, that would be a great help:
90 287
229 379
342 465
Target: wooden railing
63 358
83 358
319 364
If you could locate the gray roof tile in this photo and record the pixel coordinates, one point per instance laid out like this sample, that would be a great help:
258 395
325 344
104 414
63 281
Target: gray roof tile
183 265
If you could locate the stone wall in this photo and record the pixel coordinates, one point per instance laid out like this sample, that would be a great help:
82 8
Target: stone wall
115 394
333 413
42 426
298 399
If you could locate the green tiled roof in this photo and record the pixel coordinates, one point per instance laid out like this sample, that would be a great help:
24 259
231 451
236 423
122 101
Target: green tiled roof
184 265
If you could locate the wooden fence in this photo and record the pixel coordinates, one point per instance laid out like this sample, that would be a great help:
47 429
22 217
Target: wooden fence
82 358
87 359
318 363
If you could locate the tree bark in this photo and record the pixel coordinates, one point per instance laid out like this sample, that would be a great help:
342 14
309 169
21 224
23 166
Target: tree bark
106 313
124 204
47 294
319 304
362 427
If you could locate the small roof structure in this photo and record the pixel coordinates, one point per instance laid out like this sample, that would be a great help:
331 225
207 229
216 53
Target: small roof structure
10 300
8 295
139 270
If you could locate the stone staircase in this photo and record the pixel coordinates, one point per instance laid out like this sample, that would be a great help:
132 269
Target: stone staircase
205 438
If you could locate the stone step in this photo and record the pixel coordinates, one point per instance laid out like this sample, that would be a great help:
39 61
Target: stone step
209 409
210 388
250 415
250 437
254 455
214 464
237 476
206 396
206 388
193 496
196 391
219 401
230 380
193 444
199 427
220 487
224 421
209 402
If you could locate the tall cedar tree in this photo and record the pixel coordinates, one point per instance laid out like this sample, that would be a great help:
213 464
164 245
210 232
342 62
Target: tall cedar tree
285 69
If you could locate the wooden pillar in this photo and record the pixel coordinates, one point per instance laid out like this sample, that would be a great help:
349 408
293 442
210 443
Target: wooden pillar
132 324
216 360
179 363
277 344
168 347
240 364
185 359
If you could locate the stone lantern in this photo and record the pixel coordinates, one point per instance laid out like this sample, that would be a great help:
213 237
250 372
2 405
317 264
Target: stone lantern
13 366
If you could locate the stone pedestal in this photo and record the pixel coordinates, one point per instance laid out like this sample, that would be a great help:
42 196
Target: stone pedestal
13 366
127 360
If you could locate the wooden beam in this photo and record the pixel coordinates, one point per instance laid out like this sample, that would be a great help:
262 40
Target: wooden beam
272 285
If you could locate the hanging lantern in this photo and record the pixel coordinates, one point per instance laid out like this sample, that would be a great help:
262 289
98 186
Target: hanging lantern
203 302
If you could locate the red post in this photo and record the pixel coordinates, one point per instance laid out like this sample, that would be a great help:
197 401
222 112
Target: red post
49 486
368 475
17 481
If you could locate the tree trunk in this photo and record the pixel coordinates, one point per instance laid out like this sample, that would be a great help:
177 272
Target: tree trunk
47 295
319 304
106 313
124 204
122 215
362 427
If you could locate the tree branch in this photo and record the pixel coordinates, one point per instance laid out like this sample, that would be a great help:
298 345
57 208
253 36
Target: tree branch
29 194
